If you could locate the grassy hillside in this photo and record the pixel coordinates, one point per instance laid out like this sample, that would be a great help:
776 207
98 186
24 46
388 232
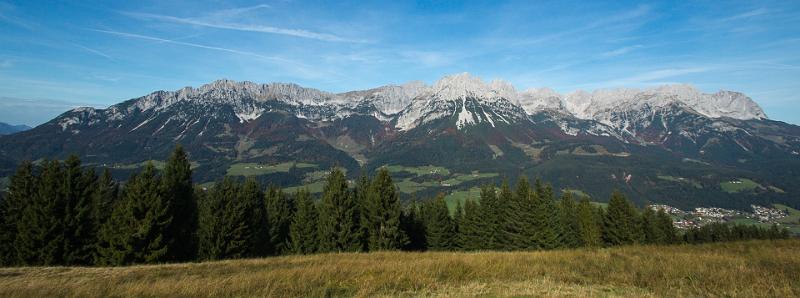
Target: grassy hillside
756 268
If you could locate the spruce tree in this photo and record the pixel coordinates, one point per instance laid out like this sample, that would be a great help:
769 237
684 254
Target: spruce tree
303 231
222 231
208 219
651 233
413 225
104 199
507 217
339 228
667 229
439 228
620 225
40 237
458 219
568 219
600 219
472 226
232 223
589 232
545 215
279 210
178 193
520 227
251 199
79 229
381 216
136 231
491 209
360 195
21 192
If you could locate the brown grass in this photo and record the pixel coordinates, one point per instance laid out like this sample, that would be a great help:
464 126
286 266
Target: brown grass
749 269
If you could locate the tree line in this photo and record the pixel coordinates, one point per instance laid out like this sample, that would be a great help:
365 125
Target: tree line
62 213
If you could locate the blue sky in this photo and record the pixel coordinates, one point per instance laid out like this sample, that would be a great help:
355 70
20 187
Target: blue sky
59 54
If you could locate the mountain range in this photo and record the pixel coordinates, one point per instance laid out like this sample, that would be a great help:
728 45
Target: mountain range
7 129
670 144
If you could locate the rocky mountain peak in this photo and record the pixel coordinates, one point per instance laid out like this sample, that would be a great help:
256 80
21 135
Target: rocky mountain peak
534 100
587 105
464 85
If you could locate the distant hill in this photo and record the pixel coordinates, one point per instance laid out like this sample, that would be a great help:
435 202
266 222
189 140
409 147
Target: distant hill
7 129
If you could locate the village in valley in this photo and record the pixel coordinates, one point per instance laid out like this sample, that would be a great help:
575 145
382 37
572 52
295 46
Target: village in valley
777 214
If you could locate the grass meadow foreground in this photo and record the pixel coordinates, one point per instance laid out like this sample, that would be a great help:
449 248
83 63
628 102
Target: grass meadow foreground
753 268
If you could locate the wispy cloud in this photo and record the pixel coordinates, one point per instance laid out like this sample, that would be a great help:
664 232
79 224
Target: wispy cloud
619 22
288 64
189 44
622 51
429 58
106 78
8 15
204 22
746 15
747 22
94 51
651 77
664 74
232 12
6 63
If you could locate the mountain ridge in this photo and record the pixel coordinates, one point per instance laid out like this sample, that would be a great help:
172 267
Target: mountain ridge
393 99
461 123
6 128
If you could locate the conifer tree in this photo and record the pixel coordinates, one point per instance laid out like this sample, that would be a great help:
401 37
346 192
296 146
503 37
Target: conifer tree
79 229
667 229
232 221
589 232
279 210
178 193
471 229
600 218
458 219
545 215
360 194
520 228
135 233
382 213
40 236
303 231
507 218
20 193
223 226
439 228
568 218
651 234
104 197
620 224
255 215
339 228
491 209
413 225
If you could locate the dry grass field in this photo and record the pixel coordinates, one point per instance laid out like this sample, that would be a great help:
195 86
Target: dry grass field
744 269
